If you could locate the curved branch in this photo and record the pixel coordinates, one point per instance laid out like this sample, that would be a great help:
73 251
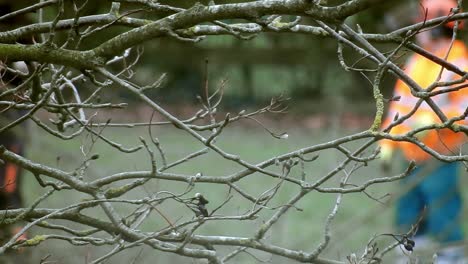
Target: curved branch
48 54
93 20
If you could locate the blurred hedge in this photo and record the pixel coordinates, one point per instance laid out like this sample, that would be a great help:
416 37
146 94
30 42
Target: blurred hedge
303 67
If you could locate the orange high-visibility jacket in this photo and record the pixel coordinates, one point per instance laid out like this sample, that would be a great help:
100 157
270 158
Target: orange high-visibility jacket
425 72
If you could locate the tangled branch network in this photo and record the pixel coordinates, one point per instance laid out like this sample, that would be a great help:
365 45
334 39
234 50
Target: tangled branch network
67 83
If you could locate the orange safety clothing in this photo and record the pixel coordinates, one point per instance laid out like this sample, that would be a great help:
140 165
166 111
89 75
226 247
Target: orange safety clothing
431 9
425 72
11 173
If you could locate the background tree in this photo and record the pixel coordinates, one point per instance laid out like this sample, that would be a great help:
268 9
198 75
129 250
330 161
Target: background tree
84 54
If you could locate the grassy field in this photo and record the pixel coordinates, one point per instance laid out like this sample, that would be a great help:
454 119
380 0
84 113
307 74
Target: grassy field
358 219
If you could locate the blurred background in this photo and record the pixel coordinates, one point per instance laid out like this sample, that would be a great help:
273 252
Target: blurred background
325 102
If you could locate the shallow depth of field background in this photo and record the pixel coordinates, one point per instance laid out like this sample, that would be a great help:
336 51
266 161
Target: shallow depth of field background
357 221
325 103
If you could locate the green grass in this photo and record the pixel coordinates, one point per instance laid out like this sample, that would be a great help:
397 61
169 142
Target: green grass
357 221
